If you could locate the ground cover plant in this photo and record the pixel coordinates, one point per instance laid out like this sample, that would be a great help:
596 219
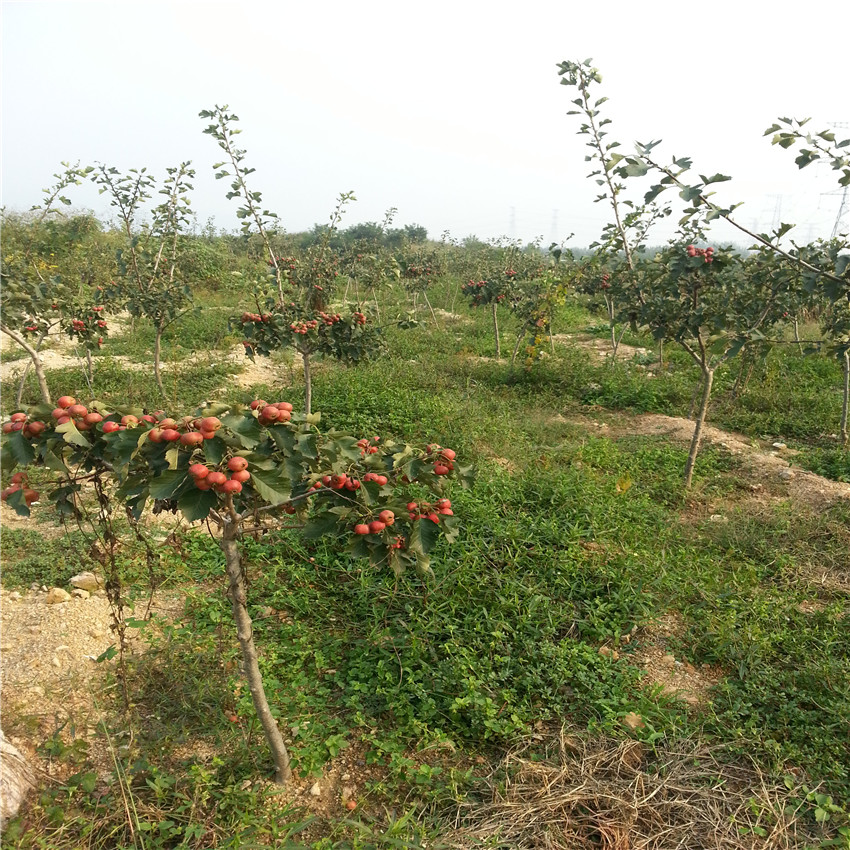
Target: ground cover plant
584 622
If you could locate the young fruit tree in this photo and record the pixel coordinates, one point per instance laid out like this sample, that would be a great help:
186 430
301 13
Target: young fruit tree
245 470
37 298
149 283
294 311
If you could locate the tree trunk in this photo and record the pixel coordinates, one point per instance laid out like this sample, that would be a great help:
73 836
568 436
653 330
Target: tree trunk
157 357
519 339
845 437
615 343
494 307
17 781
308 384
708 379
36 361
433 314
251 668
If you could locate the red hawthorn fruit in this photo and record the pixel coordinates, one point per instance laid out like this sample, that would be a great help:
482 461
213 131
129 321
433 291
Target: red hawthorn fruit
381 480
60 421
283 415
109 427
434 518
361 528
191 439
93 417
386 517
231 486
269 414
168 423
155 435
34 429
58 411
440 469
129 420
257 404
18 417
207 435
210 423
448 454
216 478
18 478
242 476
149 419
237 464
30 496
443 503
170 435
66 401
338 481
203 484
376 526
7 427
198 470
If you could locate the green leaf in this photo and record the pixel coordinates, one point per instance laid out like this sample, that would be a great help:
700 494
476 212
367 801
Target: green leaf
320 526
71 435
245 428
17 501
270 486
423 536
306 445
164 486
196 504
19 448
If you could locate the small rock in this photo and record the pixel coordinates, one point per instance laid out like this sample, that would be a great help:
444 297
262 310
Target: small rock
56 596
755 487
34 586
87 581
37 690
63 648
689 668
316 790
96 633
780 446
44 588
609 653
668 661
345 777
79 593
55 662
786 474
34 630
348 791
14 596
634 721
718 518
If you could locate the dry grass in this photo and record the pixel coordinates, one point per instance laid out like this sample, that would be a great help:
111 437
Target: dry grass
608 794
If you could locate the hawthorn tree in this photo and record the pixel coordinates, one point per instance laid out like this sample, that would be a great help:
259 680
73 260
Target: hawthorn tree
38 298
294 309
245 470
149 283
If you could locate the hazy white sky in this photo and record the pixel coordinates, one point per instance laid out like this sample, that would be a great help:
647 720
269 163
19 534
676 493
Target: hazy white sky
450 111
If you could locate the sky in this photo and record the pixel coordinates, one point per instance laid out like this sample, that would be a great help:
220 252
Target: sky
451 112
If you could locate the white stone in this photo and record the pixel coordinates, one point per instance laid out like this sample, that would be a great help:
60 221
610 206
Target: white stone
14 596
786 474
56 596
780 446
316 790
79 593
87 581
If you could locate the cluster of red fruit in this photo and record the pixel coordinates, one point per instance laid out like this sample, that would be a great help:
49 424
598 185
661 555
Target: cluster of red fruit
19 482
606 282
329 319
304 327
285 263
214 479
337 482
418 271
359 318
707 253
31 328
269 414
367 447
428 510
190 431
248 318
376 526
19 422
443 459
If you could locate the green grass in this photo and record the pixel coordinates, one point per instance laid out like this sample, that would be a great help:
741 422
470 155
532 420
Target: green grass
570 541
